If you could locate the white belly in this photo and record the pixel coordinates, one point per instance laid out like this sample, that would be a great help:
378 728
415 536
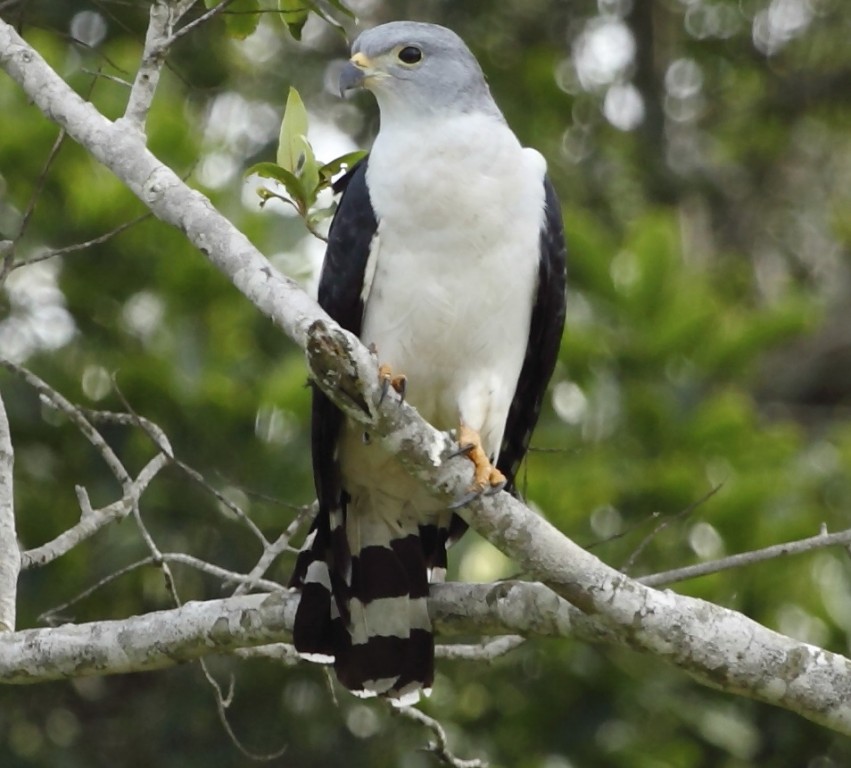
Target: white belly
448 290
455 269
458 334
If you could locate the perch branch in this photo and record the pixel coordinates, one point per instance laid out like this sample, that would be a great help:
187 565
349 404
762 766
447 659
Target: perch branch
10 553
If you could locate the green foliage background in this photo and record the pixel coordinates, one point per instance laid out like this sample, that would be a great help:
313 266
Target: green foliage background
708 346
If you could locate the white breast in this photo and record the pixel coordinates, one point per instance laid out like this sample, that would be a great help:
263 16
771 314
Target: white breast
454 266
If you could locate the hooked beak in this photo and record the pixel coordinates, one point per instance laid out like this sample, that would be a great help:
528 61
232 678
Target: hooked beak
355 73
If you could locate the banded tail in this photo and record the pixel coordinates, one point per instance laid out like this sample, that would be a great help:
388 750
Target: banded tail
364 583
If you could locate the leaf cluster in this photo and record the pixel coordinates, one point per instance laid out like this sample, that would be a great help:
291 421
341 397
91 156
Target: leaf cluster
297 169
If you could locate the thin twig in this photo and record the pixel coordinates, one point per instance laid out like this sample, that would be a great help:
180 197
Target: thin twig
51 254
111 78
8 265
53 616
439 747
222 704
202 19
273 550
820 541
93 520
178 558
487 650
159 439
627 566
39 184
227 576
621 534
76 416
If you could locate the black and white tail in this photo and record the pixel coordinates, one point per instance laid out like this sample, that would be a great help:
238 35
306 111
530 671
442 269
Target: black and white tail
364 580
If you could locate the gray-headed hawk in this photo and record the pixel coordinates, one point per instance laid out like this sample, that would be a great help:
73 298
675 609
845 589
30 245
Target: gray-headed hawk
447 254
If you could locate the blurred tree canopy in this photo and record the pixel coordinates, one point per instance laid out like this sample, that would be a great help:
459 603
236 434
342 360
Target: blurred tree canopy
702 152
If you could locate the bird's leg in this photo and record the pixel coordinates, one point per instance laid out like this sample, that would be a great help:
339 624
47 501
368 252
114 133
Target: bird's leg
486 477
399 382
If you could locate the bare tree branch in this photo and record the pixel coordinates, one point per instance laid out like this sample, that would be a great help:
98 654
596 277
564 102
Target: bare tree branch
440 746
53 253
10 553
164 638
819 541
152 641
162 443
93 520
9 258
202 19
53 615
223 703
55 400
161 639
272 551
163 17
659 527
487 650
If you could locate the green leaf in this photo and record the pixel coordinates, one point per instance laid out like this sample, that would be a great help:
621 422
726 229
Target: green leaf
241 16
332 168
289 180
320 214
294 14
308 172
293 138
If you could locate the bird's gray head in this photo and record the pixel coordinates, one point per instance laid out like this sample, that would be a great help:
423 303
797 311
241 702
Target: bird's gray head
417 68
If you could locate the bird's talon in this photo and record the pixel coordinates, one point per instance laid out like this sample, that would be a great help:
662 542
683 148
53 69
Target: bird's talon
487 479
387 379
462 450
495 488
385 388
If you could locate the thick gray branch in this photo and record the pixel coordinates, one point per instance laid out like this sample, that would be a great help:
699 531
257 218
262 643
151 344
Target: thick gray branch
165 638
120 147
142 643
10 553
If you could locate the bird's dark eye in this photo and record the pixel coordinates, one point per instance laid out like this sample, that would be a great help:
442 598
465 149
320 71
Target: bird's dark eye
410 54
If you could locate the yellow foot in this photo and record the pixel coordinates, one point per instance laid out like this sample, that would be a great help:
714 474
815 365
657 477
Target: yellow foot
386 378
486 478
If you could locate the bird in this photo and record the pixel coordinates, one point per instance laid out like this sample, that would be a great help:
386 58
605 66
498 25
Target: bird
446 256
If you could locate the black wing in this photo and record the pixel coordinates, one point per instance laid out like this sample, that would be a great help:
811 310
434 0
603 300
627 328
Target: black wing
544 339
340 287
